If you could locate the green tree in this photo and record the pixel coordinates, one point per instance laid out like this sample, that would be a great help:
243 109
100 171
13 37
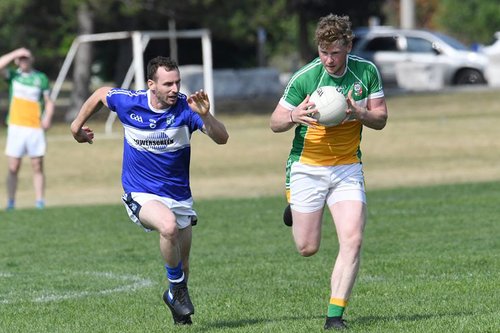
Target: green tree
38 25
83 60
471 21
309 11
288 25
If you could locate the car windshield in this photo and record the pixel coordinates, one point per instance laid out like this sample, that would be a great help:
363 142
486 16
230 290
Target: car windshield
451 41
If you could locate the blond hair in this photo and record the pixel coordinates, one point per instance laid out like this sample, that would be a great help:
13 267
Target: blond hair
333 28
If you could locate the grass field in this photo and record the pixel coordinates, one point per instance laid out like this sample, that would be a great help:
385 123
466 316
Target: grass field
430 264
430 259
429 139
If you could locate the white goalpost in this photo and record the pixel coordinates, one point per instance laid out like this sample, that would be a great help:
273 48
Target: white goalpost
140 40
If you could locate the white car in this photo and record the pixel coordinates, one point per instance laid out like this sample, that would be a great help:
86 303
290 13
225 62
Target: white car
494 48
387 47
492 51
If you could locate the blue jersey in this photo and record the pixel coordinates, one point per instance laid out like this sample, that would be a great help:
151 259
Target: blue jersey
156 145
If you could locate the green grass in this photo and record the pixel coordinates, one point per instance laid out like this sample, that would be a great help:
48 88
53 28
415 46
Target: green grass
430 139
430 264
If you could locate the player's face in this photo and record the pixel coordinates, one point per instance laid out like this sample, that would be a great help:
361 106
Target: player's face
165 88
334 56
24 63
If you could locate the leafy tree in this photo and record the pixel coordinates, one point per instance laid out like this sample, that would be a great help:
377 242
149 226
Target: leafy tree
471 21
309 11
289 27
26 23
83 60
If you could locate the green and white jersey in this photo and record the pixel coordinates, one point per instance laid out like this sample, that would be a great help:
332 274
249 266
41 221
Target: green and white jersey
26 97
336 145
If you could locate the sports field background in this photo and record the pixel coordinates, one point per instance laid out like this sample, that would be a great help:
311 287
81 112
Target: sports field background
430 261
429 139
429 264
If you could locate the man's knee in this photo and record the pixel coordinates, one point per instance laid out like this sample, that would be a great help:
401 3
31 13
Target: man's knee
351 246
37 167
307 250
14 167
168 229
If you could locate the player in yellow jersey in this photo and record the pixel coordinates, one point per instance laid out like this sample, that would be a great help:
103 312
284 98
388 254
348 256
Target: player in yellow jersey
324 166
30 114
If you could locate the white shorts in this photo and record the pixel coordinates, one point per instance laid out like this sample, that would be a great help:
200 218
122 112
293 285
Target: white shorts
313 186
23 141
183 210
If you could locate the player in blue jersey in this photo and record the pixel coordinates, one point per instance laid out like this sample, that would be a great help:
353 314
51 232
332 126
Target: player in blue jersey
158 123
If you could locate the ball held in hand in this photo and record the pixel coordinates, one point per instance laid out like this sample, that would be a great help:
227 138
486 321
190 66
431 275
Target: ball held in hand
331 106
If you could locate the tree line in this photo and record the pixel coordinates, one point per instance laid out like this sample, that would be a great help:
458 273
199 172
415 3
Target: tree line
48 27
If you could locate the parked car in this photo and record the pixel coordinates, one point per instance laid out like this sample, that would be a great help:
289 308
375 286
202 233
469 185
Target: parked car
492 51
387 47
493 48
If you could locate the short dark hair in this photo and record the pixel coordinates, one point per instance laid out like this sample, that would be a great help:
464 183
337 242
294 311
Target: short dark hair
158 62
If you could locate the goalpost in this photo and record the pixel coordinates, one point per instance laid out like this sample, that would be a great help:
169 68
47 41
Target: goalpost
140 40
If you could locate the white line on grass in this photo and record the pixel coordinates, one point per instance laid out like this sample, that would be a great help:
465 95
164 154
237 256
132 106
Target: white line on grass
131 283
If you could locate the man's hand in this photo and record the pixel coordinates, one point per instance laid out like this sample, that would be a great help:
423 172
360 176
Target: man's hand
84 134
303 113
353 110
22 52
46 123
199 102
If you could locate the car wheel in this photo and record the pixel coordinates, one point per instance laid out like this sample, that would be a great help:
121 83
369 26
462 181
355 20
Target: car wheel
469 76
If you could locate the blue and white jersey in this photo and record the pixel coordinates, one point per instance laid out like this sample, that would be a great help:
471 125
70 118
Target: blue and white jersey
156 145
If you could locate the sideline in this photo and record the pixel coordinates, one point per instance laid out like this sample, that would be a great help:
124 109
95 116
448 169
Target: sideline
132 283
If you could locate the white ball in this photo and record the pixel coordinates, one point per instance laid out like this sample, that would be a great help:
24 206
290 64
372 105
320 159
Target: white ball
331 106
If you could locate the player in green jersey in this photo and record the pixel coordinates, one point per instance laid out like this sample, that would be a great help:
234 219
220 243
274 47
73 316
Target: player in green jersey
324 166
30 114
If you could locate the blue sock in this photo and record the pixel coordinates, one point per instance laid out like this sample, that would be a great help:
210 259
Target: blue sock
175 276
11 203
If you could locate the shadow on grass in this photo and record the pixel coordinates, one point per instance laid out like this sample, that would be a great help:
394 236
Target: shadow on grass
357 323
406 318
241 323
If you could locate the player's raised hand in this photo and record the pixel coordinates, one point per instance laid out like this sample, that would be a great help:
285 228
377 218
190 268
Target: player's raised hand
199 102
22 52
84 134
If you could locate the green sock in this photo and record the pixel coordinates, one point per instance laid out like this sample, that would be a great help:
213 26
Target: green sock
336 307
335 310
